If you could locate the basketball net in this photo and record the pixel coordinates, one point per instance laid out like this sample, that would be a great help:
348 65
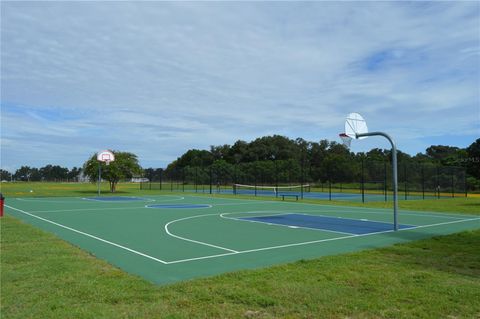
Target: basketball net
346 140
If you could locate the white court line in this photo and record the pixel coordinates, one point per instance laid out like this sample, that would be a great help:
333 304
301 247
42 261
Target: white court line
313 242
281 225
47 200
191 240
371 210
96 209
235 204
232 252
178 206
135 199
89 235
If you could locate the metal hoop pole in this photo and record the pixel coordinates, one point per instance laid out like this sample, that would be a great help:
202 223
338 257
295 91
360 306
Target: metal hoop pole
394 168
99 177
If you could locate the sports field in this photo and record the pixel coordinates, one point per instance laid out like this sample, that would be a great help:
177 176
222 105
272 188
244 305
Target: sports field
168 238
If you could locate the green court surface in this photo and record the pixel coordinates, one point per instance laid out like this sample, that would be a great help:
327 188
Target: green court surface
168 238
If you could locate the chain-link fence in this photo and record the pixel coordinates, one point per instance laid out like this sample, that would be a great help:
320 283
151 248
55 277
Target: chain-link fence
361 180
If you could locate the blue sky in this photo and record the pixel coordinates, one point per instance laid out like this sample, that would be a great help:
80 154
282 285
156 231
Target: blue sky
158 78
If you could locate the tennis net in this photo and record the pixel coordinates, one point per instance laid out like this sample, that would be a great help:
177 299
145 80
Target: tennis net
263 190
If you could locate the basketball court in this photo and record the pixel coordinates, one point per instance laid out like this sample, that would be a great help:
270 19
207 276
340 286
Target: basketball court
169 238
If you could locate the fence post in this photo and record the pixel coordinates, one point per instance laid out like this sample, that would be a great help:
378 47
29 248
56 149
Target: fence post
453 184
302 176
423 181
196 179
438 184
211 179
329 189
161 173
385 179
276 177
363 182
255 178
405 176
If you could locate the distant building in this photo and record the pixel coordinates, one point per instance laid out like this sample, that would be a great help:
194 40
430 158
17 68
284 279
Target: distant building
82 178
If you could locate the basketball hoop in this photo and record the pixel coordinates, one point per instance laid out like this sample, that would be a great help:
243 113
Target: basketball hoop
105 156
346 140
356 128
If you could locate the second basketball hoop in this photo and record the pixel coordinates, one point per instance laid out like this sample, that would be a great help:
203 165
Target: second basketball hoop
105 156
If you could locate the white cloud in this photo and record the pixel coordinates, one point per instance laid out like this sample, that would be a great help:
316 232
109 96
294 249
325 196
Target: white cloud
158 78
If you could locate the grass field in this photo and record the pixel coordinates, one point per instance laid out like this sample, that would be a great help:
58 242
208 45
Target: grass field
45 277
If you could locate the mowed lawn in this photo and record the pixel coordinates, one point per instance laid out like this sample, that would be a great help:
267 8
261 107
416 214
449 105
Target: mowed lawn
45 277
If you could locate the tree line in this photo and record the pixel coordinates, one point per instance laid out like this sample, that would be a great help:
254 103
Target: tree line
268 159
274 159
48 173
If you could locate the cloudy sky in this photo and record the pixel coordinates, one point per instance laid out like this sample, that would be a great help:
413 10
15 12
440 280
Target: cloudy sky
158 78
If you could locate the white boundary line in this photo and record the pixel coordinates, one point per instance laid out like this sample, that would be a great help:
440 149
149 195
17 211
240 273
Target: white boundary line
232 252
84 209
130 199
44 200
281 225
179 206
191 240
89 235
372 210
314 242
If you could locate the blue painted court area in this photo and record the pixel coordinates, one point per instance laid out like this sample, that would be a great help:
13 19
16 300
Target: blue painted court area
179 206
116 199
337 224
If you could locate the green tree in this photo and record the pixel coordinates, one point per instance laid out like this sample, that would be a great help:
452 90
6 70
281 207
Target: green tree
23 173
125 166
5 175
73 173
473 159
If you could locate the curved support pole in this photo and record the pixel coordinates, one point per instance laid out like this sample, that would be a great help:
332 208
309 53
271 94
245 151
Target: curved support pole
394 167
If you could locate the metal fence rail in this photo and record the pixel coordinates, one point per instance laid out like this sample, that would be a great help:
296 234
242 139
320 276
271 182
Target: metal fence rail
364 180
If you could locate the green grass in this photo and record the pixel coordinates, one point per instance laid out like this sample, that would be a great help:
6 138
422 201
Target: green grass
45 277
34 189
